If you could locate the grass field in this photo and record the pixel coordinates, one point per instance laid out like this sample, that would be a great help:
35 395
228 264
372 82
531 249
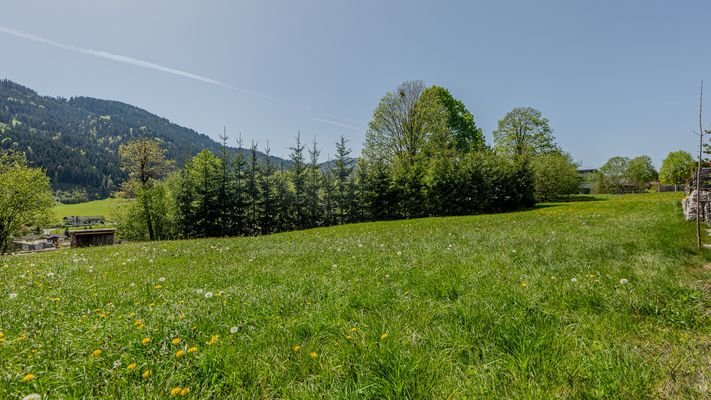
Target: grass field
88 209
589 299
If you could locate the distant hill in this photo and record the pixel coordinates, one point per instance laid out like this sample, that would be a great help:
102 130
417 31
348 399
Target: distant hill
76 140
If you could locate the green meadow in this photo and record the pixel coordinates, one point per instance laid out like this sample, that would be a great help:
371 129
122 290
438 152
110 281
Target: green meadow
604 297
87 209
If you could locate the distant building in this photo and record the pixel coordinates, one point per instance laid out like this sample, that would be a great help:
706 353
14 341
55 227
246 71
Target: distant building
75 220
33 243
92 237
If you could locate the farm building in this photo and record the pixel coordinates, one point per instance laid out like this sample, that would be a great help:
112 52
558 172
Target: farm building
83 220
92 237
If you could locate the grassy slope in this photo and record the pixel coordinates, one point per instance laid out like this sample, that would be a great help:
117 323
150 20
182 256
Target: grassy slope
90 208
479 306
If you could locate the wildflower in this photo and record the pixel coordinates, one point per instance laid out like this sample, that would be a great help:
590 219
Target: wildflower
213 340
146 374
132 284
55 299
96 353
145 341
2 336
208 295
354 329
157 286
296 348
28 378
384 336
12 295
161 279
193 350
133 314
573 280
234 330
349 337
185 391
524 284
624 281
132 366
179 353
33 396
117 363
175 391
313 355
399 253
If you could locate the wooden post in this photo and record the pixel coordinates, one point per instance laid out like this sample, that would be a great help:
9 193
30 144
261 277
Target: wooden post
698 171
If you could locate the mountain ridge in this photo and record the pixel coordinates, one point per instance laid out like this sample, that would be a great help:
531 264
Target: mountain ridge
76 140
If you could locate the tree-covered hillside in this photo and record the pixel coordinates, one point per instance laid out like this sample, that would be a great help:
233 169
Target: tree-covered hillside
77 140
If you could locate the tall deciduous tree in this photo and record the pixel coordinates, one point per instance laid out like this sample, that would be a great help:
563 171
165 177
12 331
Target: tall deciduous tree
524 131
460 122
640 172
144 161
677 168
555 175
25 197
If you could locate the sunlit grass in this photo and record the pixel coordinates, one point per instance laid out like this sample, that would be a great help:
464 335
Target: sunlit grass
87 209
594 299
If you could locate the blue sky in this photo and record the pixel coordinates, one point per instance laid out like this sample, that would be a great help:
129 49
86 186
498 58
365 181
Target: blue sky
613 77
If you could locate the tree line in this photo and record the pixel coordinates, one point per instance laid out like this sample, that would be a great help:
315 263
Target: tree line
423 156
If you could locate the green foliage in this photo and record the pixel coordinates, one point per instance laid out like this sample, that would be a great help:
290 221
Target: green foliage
460 122
517 306
555 175
677 168
640 172
612 176
25 197
524 131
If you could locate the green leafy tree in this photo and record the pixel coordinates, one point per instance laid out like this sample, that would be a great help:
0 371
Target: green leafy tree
524 131
25 197
677 168
555 175
460 122
612 176
145 163
640 172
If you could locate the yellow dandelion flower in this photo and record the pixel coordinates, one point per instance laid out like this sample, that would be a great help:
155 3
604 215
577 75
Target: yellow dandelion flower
313 355
185 391
349 337
104 315
28 378
96 353
354 329
145 341
384 336
132 366
133 314
181 316
524 284
146 374
175 341
157 286
175 391
193 350
138 322
180 353
213 339
2 335
296 348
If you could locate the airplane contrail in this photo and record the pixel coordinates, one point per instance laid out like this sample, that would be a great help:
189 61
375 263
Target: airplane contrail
336 123
132 61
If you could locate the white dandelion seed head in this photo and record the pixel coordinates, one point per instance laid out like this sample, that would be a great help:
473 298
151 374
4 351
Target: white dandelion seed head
234 330
161 279
208 295
50 274
399 253
117 363
12 296
573 280
33 396
221 292
624 281
199 291
132 284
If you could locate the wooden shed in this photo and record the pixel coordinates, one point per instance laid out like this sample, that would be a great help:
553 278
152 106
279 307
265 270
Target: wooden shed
92 237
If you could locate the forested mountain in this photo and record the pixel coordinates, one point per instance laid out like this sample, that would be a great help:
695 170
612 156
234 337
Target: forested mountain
76 140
